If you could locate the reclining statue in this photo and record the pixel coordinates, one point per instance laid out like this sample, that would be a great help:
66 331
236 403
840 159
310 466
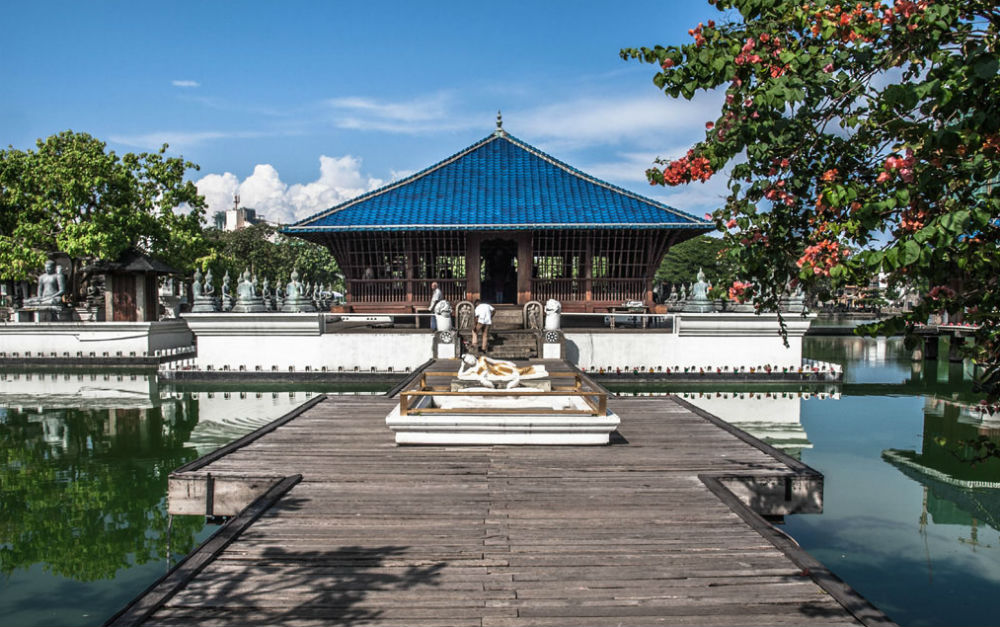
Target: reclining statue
488 371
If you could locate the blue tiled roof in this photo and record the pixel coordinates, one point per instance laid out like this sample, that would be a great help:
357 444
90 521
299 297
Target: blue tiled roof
499 182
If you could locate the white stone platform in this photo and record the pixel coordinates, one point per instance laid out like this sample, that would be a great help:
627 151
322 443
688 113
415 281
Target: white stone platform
572 411
489 429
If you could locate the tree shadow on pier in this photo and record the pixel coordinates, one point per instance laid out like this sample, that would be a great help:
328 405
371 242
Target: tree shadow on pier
346 585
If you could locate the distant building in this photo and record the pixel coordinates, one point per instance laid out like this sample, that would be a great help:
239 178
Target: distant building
236 218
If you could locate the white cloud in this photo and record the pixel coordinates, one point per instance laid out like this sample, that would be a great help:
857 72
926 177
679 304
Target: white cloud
178 139
340 179
595 120
185 83
429 114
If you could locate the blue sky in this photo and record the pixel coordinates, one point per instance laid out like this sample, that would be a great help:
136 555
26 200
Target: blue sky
300 105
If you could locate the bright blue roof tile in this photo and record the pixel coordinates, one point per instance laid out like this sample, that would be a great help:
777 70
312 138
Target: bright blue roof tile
499 182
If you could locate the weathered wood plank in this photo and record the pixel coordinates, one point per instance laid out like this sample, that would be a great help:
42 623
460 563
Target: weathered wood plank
376 534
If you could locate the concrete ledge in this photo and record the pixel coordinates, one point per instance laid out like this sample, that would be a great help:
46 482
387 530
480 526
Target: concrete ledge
95 343
480 429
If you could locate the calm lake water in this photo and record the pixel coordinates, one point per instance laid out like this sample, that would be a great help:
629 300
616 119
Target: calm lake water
83 527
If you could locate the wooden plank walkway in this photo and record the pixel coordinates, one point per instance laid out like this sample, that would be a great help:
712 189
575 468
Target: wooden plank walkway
626 534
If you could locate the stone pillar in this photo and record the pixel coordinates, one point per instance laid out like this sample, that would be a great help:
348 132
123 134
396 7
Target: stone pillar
141 315
109 297
931 347
955 348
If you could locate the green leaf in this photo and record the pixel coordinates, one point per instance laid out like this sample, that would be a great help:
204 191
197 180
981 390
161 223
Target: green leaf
955 222
985 68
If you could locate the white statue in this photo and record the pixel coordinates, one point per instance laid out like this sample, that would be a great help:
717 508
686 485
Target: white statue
442 308
442 315
553 311
488 371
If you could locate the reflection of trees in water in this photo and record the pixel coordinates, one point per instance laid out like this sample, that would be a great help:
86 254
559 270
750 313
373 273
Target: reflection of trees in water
91 503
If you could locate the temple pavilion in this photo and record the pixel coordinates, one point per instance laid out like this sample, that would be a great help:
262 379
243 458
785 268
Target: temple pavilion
504 222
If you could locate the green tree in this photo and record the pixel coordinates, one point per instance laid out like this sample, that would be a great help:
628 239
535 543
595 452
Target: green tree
72 195
682 262
267 253
853 126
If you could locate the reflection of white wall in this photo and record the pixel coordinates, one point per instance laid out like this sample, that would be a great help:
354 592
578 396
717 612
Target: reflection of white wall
226 416
773 417
88 391
258 407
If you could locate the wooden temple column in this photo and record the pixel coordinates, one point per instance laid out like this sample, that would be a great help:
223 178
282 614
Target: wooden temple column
525 254
588 273
411 261
472 264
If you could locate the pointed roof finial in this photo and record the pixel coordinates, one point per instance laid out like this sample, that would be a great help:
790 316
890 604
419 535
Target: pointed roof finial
499 130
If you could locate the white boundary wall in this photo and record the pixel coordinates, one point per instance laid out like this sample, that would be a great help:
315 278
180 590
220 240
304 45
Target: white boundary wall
709 341
278 342
93 339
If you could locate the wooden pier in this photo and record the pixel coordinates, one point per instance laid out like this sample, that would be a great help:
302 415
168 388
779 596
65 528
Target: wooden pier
663 526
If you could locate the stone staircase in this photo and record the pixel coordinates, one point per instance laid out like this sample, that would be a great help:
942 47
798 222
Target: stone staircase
507 343
508 317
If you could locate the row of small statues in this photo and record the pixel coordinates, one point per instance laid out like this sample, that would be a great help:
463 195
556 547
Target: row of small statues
255 297
694 299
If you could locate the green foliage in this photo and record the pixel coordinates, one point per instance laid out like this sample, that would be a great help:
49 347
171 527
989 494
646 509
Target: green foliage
866 127
71 195
269 254
682 261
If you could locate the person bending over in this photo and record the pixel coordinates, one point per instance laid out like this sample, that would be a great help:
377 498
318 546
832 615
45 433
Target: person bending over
484 318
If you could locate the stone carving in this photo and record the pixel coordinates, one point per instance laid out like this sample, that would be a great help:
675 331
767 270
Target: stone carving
699 302
442 308
227 294
51 287
196 287
795 300
533 315
446 337
267 295
296 300
95 292
489 372
279 295
247 299
464 313
169 300
204 300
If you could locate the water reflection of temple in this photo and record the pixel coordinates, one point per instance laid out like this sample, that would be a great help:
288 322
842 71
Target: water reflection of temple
960 487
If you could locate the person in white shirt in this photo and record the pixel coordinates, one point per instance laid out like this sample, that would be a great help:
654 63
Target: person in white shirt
435 297
484 318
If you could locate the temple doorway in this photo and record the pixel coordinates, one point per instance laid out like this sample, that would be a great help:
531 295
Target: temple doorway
498 270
